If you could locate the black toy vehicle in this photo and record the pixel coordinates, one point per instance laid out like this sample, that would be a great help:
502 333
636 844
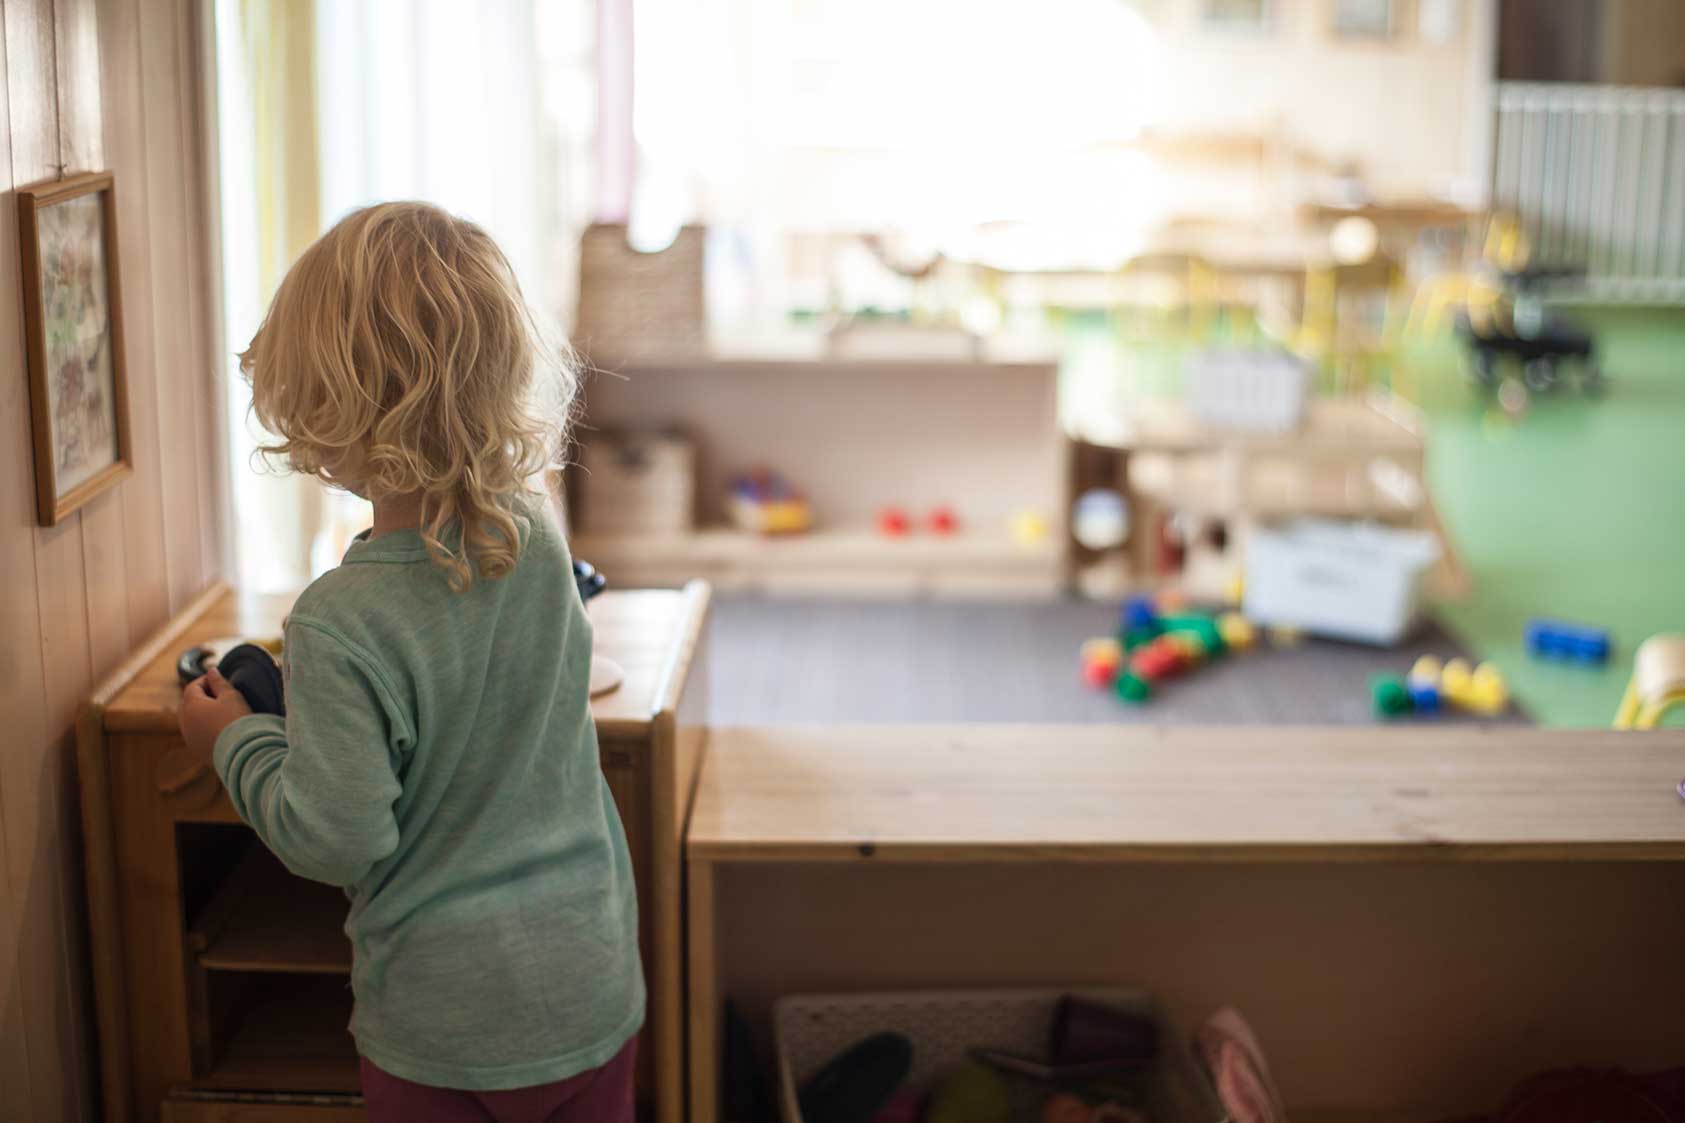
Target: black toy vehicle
1547 348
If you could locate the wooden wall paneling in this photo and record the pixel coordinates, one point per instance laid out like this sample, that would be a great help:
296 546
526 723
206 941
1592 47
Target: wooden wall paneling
81 132
217 514
14 1042
180 386
146 546
37 777
21 685
207 370
82 148
21 688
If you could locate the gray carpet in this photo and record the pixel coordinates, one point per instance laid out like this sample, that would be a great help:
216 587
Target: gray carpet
786 660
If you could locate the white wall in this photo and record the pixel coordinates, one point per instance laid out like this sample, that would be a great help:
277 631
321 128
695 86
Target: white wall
1412 112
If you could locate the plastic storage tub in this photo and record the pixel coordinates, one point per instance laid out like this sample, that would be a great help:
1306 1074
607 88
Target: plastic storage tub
1262 391
944 1024
1353 581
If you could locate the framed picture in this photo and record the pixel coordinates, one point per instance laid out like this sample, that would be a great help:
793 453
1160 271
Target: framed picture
73 328
1364 19
1238 15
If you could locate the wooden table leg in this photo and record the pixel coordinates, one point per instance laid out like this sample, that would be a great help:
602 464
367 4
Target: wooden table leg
704 994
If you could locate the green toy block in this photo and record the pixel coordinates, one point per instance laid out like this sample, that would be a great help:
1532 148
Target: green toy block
1390 696
1131 687
1198 624
1139 637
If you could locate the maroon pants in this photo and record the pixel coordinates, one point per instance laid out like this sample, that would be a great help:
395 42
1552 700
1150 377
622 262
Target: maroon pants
600 1095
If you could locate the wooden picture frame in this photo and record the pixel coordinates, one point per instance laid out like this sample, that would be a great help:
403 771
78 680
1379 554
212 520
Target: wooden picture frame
73 329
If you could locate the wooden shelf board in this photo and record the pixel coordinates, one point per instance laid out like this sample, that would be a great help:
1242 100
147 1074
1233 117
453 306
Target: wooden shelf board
1006 793
1350 425
293 1037
640 630
840 546
266 920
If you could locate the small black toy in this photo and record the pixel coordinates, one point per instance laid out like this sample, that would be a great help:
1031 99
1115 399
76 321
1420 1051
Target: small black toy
250 669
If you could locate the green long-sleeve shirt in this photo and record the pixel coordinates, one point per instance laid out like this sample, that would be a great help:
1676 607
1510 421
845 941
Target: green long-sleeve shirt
439 761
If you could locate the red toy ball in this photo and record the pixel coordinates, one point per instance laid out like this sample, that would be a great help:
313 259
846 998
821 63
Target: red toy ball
893 522
943 520
1099 673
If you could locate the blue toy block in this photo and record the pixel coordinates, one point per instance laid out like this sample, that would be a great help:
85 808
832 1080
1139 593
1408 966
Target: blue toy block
1138 613
1424 696
1572 643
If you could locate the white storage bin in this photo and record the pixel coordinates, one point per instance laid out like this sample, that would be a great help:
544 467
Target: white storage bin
1262 391
943 1025
1352 581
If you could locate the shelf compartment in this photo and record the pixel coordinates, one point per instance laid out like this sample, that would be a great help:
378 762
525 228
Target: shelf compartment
265 919
274 1033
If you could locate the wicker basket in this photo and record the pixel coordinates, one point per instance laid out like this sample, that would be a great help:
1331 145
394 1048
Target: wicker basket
637 484
943 1024
639 307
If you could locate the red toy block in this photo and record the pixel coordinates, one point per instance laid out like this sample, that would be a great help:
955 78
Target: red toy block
893 522
1158 660
1099 673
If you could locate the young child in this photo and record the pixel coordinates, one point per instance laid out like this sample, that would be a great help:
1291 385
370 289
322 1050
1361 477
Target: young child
438 757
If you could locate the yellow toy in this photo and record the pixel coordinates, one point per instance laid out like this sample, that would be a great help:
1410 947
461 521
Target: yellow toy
1028 528
1488 692
1237 631
1426 671
1657 684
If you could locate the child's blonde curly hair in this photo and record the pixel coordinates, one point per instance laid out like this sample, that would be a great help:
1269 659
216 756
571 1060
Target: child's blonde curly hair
398 357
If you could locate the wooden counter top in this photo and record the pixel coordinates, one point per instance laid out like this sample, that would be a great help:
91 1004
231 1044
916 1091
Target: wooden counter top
652 633
1099 793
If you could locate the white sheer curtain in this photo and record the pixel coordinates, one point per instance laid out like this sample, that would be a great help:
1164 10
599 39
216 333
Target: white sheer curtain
478 107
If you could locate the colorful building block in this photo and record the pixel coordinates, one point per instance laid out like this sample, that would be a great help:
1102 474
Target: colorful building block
1099 675
1426 671
1424 696
1488 692
1158 660
1391 698
1197 624
1139 637
1102 658
1138 613
1190 644
1132 687
1571 643
1237 631
1102 648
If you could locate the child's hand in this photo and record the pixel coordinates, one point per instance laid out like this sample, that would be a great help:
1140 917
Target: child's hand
209 704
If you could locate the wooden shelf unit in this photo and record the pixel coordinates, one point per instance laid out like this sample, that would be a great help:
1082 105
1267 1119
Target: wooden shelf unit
971 562
222 989
287 1034
1408 916
263 919
855 435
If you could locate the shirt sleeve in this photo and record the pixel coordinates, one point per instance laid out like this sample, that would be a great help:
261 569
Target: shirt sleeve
318 787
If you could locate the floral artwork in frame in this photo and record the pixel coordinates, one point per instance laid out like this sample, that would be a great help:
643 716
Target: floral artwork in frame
73 328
